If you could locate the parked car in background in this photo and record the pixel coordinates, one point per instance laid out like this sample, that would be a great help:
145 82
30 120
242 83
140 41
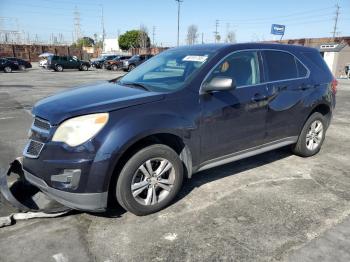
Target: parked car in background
7 66
134 61
115 63
43 63
133 140
98 63
20 63
59 63
44 56
347 70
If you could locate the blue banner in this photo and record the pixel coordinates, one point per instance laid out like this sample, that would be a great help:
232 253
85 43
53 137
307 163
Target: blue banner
278 29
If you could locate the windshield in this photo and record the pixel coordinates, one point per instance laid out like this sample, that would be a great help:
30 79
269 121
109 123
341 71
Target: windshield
168 71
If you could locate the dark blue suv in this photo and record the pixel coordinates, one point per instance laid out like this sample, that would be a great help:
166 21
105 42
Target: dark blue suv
134 139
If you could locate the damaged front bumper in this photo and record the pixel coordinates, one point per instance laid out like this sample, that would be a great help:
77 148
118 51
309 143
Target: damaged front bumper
24 196
23 193
82 201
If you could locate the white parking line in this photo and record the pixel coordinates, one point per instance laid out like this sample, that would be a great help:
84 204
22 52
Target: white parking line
6 117
60 258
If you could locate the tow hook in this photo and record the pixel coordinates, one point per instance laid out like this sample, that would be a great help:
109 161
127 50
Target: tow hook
24 196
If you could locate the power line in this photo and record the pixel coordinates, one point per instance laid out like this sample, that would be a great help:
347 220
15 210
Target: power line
296 14
216 33
103 28
178 20
335 27
284 20
77 26
153 35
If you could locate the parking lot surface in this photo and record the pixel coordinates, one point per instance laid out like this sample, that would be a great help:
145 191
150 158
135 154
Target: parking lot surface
275 206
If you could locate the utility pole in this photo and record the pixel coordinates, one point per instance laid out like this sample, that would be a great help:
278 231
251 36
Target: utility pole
103 28
153 34
76 24
335 32
178 20
216 33
202 38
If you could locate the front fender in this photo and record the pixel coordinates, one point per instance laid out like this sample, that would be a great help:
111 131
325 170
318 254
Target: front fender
125 131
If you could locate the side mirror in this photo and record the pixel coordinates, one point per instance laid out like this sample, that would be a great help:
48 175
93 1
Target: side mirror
219 84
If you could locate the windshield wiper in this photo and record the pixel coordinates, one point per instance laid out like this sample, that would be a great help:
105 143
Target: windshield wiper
135 84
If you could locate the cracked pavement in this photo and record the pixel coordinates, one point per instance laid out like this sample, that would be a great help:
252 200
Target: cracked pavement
274 206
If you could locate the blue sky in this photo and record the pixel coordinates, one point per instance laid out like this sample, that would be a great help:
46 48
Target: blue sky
250 19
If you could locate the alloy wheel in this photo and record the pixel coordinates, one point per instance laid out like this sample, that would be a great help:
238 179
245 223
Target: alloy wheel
314 135
153 181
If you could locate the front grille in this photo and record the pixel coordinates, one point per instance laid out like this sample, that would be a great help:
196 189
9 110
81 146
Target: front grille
33 149
41 124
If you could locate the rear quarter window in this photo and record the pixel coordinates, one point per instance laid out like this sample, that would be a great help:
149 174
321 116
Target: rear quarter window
280 65
316 59
302 71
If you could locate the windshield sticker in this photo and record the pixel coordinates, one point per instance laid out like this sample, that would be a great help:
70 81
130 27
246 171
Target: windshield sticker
195 58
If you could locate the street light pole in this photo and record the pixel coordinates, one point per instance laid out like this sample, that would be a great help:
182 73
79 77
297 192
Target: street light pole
178 20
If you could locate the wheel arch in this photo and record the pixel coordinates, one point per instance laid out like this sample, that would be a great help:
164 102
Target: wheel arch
324 109
172 140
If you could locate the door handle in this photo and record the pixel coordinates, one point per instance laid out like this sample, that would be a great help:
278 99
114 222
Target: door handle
276 89
258 97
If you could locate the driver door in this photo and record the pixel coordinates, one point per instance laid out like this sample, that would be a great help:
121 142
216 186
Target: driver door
234 120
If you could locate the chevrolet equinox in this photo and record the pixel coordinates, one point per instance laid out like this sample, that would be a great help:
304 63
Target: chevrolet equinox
135 138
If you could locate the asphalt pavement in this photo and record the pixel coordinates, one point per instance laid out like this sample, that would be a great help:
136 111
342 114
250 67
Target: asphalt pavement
271 207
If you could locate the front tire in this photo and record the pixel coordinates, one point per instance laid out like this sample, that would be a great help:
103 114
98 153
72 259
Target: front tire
59 68
312 136
7 69
84 68
150 180
114 67
131 67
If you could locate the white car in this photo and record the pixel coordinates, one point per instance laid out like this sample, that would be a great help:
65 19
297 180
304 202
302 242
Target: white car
43 63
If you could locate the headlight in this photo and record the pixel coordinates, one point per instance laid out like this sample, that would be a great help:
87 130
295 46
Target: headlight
78 130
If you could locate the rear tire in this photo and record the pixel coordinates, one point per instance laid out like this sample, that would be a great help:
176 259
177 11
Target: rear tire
7 69
150 180
21 67
84 68
312 136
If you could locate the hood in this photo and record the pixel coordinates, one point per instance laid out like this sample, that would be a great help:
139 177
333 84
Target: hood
98 98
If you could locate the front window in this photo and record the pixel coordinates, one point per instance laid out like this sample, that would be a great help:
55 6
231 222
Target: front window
170 70
242 66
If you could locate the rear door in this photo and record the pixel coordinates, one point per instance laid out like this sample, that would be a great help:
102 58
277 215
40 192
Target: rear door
73 62
63 60
287 80
234 120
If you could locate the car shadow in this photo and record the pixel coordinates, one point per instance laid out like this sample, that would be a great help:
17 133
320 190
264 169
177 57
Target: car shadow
207 176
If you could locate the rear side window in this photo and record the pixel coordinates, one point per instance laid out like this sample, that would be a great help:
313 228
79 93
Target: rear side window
280 65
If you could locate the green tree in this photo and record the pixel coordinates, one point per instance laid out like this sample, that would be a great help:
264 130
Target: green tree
84 41
133 39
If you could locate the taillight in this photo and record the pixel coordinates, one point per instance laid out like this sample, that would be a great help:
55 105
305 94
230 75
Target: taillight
334 85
